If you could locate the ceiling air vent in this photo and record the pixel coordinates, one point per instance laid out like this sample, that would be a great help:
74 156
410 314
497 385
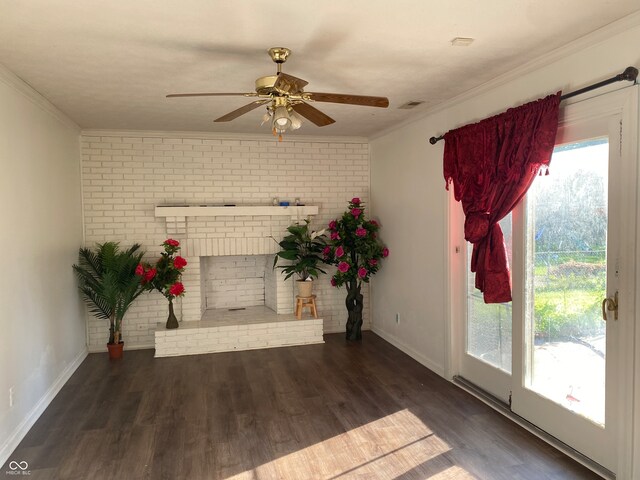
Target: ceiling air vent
462 41
411 104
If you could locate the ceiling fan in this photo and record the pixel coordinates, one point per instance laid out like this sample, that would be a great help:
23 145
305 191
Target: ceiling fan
285 99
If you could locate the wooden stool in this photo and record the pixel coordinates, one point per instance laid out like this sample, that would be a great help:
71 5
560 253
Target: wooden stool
302 302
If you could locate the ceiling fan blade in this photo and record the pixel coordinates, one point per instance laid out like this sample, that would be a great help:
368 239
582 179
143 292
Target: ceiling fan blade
289 84
312 114
241 111
382 102
252 94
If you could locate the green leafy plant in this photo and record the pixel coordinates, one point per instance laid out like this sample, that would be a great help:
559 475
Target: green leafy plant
303 248
109 284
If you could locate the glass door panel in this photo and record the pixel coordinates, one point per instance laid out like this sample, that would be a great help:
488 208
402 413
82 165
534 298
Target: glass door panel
489 325
567 276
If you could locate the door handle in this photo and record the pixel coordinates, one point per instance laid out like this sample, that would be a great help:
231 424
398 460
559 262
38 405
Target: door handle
610 304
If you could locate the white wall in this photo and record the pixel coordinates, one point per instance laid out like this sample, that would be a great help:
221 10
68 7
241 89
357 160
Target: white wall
126 174
409 197
43 335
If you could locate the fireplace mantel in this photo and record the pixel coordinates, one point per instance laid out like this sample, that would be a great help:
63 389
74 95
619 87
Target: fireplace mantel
292 211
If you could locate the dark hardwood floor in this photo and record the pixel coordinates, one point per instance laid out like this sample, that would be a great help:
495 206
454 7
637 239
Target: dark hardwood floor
331 411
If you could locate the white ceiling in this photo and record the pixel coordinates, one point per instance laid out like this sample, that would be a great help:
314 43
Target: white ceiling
110 64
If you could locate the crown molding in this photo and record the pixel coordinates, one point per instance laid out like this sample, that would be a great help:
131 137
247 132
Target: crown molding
290 138
597 36
12 80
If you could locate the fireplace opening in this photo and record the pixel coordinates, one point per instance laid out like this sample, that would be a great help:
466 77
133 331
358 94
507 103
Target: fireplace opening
234 282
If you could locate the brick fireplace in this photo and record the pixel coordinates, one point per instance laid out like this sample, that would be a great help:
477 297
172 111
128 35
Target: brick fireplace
236 301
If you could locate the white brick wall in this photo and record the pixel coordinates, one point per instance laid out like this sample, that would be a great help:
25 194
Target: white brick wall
235 281
211 338
126 176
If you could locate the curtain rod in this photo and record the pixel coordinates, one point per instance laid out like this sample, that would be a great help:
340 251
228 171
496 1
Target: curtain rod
630 74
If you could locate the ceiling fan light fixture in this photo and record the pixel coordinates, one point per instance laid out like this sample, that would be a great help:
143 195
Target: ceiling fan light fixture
266 117
296 121
281 119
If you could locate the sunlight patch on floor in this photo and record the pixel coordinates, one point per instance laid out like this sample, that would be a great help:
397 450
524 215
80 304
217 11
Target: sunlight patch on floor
389 447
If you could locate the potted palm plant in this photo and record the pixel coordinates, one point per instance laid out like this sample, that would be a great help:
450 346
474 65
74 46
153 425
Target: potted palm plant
109 284
303 248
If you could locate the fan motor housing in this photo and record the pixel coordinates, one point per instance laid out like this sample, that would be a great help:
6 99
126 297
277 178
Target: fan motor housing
264 85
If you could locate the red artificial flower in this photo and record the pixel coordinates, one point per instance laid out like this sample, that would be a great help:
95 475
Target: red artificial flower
374 223
362 272
356 212
326 251
355 201
361 232
139 270
179 262
333 224
150 274
335 236
171 242
343 267
339 252
385 252
176 289
373 262
333 282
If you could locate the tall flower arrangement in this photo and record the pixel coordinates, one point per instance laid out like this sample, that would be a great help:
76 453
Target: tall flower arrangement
357 252
165 276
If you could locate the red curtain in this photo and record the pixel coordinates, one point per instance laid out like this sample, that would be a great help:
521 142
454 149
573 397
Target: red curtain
492 164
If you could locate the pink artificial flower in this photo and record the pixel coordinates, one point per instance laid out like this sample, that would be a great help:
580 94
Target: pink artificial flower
361 232
362 272
343 267
326 251
335 236
139 270
373 262
339 252
385 252
171 242
333 282
355 201
356 212
176 289
150 274
333 224
374 223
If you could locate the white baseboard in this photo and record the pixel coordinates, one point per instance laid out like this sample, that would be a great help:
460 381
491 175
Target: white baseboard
439 369
21 430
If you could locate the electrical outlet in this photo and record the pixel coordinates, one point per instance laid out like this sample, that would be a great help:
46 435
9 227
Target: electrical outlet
10 397
397 318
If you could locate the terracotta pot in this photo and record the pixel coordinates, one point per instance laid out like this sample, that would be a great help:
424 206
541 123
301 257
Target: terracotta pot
115 350
305 289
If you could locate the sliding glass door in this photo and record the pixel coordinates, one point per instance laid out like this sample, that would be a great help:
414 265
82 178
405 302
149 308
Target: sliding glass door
555 353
